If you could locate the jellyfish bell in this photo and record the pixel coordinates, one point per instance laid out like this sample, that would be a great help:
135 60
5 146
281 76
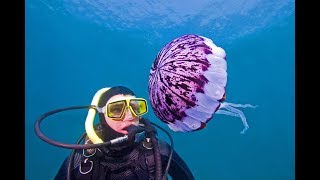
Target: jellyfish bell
187 84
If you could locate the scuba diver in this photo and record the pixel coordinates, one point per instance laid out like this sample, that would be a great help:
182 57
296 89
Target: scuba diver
122 146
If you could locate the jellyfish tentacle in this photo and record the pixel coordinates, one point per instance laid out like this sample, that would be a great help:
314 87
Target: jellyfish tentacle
231 110
238 105
219 111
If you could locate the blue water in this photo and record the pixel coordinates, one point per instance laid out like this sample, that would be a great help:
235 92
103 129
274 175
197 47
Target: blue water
74 48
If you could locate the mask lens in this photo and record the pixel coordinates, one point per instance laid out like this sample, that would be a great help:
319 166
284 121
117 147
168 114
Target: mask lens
115 109
138 106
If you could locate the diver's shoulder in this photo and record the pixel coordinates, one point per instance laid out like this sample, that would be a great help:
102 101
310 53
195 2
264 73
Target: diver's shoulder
164 147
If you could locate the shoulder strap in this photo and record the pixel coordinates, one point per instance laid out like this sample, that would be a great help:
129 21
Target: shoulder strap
149 158
90 168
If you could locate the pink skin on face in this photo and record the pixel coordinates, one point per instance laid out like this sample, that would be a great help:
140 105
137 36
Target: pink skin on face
127 119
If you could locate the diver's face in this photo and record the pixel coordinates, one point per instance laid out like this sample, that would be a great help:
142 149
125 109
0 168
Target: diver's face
127 119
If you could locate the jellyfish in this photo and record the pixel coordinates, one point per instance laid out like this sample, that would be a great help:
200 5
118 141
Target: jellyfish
187 84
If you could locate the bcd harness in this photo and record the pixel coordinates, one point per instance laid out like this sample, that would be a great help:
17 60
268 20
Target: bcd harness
139 163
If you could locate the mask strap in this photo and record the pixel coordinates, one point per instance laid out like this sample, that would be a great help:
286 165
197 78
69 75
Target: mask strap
101 110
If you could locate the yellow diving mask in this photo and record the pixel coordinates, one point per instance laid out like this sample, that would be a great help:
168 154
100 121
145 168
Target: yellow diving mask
115 109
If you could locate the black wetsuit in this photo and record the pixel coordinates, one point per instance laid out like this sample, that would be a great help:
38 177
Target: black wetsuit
135 162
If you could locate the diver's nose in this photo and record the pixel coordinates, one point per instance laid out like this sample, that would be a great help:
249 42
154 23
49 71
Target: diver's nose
128 115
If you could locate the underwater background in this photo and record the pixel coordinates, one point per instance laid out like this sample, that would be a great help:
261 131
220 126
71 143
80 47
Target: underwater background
74 48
